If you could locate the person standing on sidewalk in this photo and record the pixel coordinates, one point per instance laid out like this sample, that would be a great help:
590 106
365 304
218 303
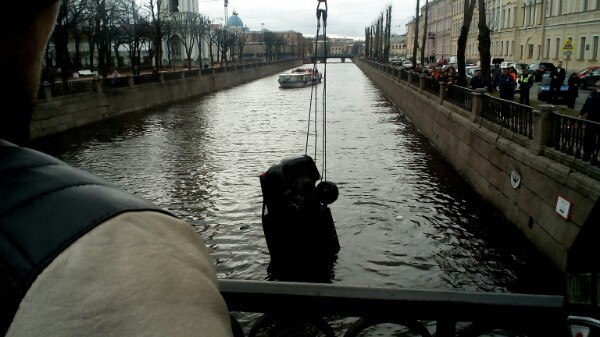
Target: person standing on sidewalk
573 92
557 77
591 110
507 86
525 81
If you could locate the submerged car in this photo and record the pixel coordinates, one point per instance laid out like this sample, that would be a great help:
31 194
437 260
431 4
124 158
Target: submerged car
544 89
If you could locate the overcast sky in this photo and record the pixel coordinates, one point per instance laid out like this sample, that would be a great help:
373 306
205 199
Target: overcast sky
346 18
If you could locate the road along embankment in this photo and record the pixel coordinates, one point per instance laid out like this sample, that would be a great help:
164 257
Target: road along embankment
100 99
553 199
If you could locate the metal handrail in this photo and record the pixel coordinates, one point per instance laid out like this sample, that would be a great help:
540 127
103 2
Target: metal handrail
511 115
524 313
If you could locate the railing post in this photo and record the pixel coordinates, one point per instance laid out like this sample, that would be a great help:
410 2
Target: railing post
130 81
410 73
422 82
541 128
443 86
161 77
47 90
97 84
477 105
182 74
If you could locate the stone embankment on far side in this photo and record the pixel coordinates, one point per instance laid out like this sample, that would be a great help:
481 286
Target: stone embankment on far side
99 99
551 196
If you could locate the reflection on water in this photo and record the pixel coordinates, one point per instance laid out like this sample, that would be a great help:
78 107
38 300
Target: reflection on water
404 217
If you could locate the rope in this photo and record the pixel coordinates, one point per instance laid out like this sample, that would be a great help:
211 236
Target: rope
321 14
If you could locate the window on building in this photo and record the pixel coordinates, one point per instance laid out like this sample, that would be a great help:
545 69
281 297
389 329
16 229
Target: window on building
549 8
560 5
521 57
594 48
547 51
530 51
584 5
557 47
582 47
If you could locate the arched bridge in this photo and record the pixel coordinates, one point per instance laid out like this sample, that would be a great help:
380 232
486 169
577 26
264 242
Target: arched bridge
343 57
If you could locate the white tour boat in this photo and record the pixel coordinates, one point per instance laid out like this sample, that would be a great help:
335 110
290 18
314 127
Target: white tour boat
299 77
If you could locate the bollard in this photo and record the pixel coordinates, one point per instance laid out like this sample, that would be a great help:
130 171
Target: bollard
130 81
541 128
477 106
422 82
182 74
443 86
97 85
47 90
161 77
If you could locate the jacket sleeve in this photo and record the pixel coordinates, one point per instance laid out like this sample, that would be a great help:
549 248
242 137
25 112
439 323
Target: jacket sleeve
137 274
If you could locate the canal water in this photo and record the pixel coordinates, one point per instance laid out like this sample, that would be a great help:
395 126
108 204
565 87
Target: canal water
405 218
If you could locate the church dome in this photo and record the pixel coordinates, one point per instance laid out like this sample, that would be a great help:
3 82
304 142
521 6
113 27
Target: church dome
235 21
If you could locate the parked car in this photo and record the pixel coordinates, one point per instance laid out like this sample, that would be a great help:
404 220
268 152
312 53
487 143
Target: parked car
587 71
407 64
506 64
544 89
520 68
397 61
470 72
537 69
589 80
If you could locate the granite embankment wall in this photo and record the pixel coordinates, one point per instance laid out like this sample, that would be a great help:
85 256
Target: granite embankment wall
486 155
57 114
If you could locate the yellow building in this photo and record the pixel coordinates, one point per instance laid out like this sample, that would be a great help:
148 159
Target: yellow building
528 31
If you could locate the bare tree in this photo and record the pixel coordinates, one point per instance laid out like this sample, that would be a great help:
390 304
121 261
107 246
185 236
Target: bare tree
157 11
200 28
387 34
484 44
424 43
462 39
241 43
68 13
416 41
184 24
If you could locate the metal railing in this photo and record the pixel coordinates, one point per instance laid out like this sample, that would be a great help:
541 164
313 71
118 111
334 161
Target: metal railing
460 96
315 307
575 137
146 78
513 116
72 87
404 75
432 85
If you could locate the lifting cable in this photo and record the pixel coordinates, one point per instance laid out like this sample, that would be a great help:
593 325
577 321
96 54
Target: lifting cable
321 15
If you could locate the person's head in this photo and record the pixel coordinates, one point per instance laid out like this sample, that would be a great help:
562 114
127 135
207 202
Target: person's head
598 85
504 71
559 64
477 73
23 41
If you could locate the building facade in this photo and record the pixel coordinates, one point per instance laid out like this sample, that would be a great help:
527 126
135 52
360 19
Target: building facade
523 31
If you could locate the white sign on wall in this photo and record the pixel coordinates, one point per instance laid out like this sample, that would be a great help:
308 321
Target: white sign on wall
563 207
